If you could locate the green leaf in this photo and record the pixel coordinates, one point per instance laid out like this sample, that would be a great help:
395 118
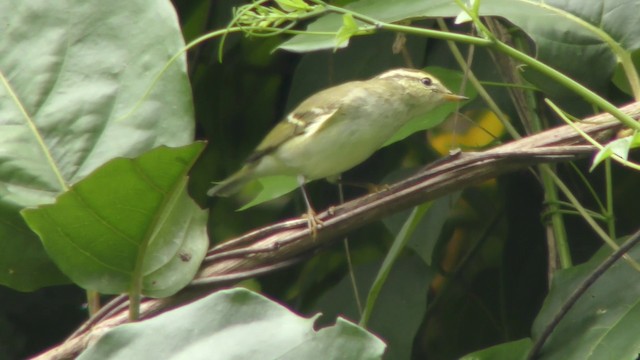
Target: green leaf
235 324
131 219
69 72
605 321
400 308
620 78
399 243
619 147
349 28
513 350
272 187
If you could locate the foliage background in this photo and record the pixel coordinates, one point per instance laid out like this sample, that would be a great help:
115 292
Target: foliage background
487 279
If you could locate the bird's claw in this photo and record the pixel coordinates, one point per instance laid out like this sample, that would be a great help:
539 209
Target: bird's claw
313 222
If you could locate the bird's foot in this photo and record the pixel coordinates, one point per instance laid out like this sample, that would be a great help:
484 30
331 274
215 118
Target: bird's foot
313 222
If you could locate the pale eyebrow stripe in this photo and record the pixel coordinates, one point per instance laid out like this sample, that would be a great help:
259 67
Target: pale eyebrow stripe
407 73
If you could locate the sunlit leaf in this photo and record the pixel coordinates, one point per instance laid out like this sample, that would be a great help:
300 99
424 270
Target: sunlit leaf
235 324
349 28
131 219
272 187
619 147
70 71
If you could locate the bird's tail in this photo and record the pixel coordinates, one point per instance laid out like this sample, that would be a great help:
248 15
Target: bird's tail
232 184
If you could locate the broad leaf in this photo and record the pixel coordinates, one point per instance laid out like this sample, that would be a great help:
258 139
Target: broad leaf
130 221
604 323
272 187
71 73
399 309
513 350
235 324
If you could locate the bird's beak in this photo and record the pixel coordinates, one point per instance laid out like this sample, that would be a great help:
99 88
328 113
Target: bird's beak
454 97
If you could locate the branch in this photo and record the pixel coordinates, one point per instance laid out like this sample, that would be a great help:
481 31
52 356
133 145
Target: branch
267 249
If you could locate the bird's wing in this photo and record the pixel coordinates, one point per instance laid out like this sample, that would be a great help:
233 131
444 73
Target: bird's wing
306 119
296 124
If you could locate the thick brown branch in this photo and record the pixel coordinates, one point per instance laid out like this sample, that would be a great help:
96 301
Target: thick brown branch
279 245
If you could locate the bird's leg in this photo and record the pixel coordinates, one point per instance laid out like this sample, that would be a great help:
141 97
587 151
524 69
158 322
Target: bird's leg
312 218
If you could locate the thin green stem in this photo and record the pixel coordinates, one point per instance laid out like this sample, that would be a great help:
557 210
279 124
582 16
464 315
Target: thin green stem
35 131
347 253
610 218
93 302
557 220
586 136
478 86
196 42
407 29
591 190
274 23
632 74
507 85
592 223
571 84
594 214
134 300
400 242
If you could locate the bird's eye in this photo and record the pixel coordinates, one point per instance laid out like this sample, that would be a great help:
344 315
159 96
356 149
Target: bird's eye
426 81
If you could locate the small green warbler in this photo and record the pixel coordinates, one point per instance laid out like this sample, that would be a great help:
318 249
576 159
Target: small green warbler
338 128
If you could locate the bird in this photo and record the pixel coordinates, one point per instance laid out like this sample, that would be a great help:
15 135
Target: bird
338 128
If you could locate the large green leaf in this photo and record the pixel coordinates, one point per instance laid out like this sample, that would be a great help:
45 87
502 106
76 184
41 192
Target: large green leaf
400 306
71 72
130 221
235 324
572 36
604 323
513 350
